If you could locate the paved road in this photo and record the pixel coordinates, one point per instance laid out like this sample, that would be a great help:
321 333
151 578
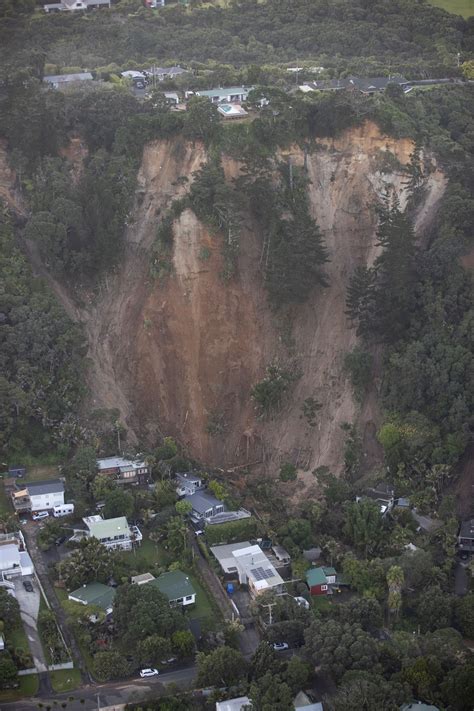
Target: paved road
112 694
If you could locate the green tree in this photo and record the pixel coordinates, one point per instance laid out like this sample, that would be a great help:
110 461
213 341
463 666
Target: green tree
271 693
424 676
434 609
153 649
102 486
118 503
458 687
364 525
222 667
287 472
183 644
89 562
9 610
297 674
359 690
202 119
176 535
365 611
339 647
395 580
264 660
141 611
110 665
8 671
183 508
464 615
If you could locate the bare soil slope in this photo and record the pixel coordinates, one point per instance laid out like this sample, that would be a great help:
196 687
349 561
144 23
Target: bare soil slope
186 352
180 356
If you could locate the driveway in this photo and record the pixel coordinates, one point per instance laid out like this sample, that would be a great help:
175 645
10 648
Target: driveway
460 579
29 608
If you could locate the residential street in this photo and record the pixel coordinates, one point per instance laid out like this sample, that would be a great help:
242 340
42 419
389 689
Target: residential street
460 579
109 694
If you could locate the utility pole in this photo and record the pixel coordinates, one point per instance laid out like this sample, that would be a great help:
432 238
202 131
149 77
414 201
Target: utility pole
98 702
270 605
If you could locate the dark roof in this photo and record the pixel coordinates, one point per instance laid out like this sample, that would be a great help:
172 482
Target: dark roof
467 529
36 488
201 501
376 83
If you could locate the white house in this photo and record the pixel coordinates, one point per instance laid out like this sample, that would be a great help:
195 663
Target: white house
187 484
14 561
74 5
111 532
45 495
227 95
251 565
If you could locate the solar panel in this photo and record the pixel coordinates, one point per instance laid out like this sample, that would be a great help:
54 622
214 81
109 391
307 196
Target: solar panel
262 573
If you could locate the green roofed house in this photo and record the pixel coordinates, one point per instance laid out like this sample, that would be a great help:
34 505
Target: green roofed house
177 587
320 580
95 594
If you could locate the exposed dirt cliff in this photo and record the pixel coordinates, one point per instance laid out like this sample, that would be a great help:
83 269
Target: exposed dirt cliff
180 356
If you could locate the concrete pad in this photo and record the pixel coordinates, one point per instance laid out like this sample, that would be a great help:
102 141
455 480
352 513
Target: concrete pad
29 609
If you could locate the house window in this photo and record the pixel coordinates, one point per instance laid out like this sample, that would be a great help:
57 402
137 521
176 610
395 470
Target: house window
188 597
179 600
324 588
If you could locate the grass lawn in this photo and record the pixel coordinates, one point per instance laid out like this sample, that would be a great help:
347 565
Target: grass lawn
18 638
320 603
42 472
146 556
28 687
205 608
87 656
5 504
457 7
65 680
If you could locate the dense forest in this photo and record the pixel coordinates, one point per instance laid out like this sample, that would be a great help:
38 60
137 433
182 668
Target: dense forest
355 35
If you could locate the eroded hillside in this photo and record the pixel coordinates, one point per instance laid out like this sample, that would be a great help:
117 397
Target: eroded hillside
180 356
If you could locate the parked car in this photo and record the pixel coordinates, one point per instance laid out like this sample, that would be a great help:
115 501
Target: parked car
280 646
28 585
302 602
148 672
41 514
171 660
199 533
59 541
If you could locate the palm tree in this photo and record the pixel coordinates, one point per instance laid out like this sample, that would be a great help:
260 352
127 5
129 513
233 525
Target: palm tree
395 580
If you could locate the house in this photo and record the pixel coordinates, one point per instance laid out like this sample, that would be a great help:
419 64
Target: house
162 73
124 471
95 594
250 564
238 704
418 706
302 701
177 587
39 496
229 95
74 5
188 483
227 517
172 98
17 470
154 3
383 495
142 579
232 111
67 81
466 536
111 532
319 580
281 554
225 556
370 85
204 506
14 559
312 554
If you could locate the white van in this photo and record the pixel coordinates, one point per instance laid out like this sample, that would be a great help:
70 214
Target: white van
39 515
63 510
